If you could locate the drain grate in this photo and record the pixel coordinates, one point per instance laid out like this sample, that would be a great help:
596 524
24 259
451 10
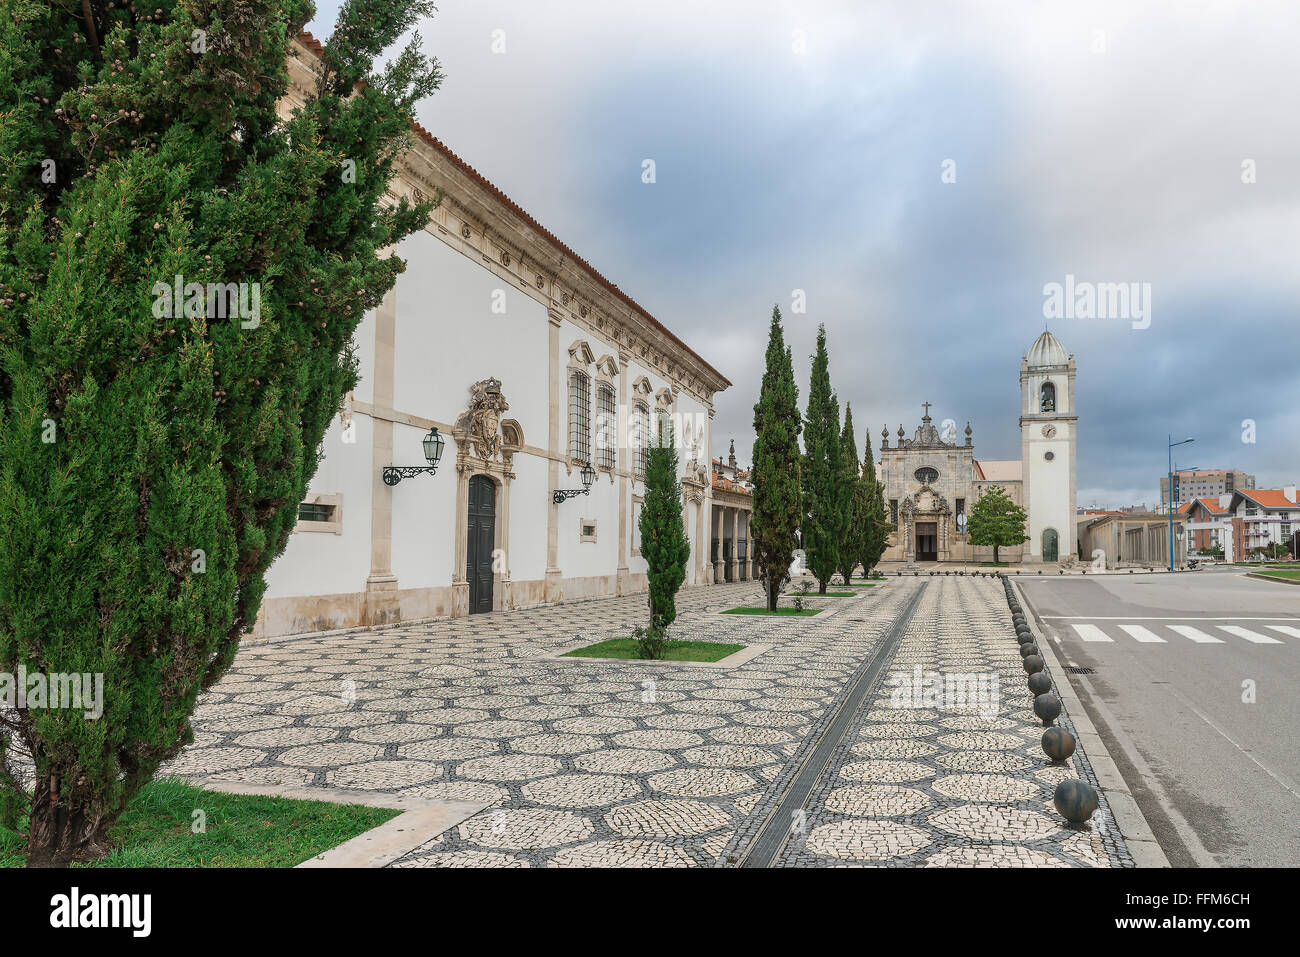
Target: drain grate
1077 670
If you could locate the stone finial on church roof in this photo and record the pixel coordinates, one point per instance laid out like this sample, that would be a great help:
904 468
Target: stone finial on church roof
884 437
968 433
731 456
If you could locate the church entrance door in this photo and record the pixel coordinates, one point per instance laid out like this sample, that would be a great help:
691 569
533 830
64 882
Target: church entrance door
1050 544
927 541
481 536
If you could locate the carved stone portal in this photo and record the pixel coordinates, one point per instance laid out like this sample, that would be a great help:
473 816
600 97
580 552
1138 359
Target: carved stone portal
481 422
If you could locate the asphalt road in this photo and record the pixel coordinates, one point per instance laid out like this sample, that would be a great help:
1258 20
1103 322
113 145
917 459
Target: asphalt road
1177 661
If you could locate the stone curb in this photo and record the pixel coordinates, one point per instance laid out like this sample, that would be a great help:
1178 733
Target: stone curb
1132 824
1271 578
421 820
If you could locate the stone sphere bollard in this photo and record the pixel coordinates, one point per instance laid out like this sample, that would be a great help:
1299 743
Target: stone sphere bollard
1028 648
1058 744
1033 664
1048 707
1075 800
1039 683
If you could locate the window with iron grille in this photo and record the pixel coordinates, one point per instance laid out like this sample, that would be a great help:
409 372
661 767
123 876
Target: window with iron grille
893 510
606 426
310 512
579 417
640 437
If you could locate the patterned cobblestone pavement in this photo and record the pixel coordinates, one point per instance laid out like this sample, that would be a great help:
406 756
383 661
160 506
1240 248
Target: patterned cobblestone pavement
950 782
589 762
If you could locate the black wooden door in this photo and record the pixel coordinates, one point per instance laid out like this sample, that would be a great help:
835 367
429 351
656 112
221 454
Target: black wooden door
927 542
482 535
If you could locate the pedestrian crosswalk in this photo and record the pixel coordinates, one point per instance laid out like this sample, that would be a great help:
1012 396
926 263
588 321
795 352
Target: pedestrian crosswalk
1204 632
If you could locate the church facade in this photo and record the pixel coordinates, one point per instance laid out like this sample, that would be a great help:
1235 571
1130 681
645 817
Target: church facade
932 479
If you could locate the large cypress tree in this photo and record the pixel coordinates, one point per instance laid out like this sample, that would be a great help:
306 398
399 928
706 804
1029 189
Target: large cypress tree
774 523
664 544
153 452
851 540
823 478
869 514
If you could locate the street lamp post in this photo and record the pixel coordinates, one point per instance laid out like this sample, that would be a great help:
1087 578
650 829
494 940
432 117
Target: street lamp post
1170 502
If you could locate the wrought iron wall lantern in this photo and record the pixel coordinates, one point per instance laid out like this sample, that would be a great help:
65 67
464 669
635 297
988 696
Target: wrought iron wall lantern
588 476
433 445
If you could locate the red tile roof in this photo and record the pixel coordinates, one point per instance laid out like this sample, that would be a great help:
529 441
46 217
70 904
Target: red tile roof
314 45
1211 506
1267 497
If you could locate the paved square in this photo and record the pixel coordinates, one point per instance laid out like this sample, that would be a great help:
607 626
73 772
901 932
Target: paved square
591 762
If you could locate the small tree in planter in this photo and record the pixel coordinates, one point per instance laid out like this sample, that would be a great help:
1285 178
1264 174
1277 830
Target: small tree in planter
996 520
664 544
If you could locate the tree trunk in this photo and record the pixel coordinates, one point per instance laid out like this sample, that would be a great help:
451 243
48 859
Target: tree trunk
995 555
60 833
772 593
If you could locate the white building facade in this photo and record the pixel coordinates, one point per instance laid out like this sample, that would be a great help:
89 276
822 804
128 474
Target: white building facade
530 365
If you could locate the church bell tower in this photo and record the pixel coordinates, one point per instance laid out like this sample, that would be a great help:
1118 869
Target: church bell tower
1048 432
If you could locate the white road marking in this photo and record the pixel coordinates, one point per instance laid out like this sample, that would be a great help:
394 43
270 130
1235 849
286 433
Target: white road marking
1142 634
1187 631
1293 632
1176 618
1091 633
1249 635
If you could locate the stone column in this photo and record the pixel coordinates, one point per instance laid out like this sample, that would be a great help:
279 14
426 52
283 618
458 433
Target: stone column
622 470
749 547
735 544
381 604
553 588
715 526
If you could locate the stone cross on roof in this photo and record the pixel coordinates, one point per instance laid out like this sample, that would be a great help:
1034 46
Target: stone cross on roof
926 417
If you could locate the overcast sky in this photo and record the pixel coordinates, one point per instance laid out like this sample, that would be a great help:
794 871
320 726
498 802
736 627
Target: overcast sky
802 146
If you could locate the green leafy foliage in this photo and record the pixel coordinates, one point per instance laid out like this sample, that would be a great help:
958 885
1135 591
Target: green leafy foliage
996 520
664 544
850 550
774 522
824 507
152 457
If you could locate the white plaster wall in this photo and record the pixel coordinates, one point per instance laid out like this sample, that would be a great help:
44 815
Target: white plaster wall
447 338
1049 489
529 500
424 514
321 563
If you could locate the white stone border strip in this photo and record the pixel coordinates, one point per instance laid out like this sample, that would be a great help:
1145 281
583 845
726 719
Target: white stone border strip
421 820
1138 836
733 660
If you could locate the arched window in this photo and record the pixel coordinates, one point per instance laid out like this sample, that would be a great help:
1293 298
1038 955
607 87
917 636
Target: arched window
1047 397
579 417
606 426
640 436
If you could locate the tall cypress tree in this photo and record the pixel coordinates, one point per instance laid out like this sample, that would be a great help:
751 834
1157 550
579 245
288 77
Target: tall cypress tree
823 477
664 544
850 541
774 523
153 451
869 514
